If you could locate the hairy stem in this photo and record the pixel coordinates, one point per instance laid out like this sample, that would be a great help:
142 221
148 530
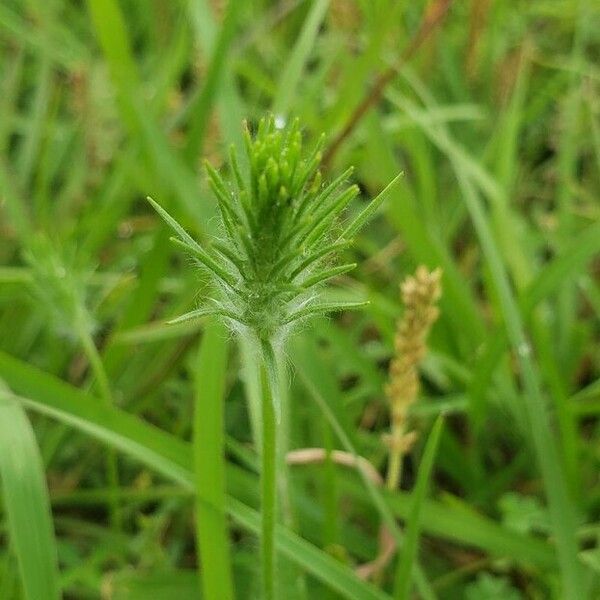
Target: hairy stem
268 374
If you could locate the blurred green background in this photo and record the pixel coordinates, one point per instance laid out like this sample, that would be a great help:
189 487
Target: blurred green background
492 110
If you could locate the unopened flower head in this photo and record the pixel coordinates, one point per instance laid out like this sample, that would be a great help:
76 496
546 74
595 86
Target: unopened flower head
281 234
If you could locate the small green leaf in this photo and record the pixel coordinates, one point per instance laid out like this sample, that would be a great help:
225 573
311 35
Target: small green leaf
363 218
328 274
325 307
173 224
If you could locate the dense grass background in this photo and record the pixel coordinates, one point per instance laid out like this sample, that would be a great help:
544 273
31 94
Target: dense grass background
491 111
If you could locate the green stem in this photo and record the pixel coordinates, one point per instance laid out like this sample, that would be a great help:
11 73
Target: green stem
268 477
93 356
290 577
394 471
112 468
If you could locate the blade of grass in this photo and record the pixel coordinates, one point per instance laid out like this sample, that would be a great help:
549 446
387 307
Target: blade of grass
403 213
290 78
26 502
562 509
570 263
201 110
409 552
323 566
569 149
504 219
112 33
13 204
209 460
574 257
43 392
229 104
511 249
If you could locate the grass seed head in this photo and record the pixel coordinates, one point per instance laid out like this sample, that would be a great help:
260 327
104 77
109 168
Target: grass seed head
420 294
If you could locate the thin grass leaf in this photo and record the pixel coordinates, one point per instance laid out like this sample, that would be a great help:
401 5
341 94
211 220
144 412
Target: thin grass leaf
290 78
111 30
209 460
25 498
573 258
409 550
171 457
322 387
321 565
201 108
457 522
562 508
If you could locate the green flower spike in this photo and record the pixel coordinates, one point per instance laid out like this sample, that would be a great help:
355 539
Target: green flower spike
278 245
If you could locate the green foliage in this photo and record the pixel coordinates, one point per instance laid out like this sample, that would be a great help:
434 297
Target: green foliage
152 450
524 514
488 587
60 285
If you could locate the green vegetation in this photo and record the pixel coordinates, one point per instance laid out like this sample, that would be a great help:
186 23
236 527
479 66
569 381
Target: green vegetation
148 455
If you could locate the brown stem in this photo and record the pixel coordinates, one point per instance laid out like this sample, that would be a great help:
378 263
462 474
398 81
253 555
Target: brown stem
387 543
434 15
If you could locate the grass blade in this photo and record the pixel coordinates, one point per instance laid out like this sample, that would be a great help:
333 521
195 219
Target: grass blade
562 509
411 538
216 69
26 502
211 521
109 24
290 77
323 566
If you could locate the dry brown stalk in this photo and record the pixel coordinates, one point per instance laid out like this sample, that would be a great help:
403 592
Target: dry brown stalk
434 16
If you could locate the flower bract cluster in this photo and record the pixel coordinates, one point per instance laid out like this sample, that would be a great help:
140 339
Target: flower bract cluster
281 234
